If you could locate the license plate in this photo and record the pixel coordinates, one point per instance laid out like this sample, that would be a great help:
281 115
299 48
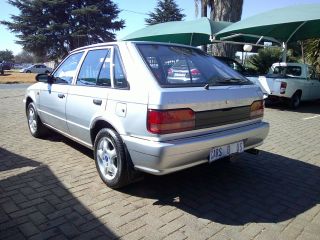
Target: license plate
226 150
179 74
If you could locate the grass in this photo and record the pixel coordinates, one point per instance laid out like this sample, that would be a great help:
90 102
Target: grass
13 76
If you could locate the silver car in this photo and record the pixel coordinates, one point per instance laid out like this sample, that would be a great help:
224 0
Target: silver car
36 68
118 100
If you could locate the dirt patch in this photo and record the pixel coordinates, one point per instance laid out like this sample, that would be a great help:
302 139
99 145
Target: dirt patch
17 77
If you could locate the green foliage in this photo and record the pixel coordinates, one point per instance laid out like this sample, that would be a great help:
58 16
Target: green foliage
54 27
166 11
6 56
264 59
312 52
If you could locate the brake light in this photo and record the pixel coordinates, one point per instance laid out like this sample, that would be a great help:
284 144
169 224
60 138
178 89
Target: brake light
170 121
195 72
283 87
257 109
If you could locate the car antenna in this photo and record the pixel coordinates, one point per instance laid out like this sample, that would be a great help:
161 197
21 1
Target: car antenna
206 87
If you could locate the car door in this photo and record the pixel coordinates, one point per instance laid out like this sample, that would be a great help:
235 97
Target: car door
53 97
88 95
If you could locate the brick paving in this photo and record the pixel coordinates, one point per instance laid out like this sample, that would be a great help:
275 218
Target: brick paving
49 188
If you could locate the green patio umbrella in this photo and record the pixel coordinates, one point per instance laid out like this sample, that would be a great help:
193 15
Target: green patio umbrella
195 33
287 24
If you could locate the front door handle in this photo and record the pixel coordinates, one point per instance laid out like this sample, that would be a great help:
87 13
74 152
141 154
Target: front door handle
97 101
61 95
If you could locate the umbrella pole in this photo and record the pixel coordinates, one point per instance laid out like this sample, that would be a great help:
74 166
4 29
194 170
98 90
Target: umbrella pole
191 39
284 52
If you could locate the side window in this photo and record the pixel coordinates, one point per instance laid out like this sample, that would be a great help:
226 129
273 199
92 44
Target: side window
119 76
104 78
91 66
312 74
67 70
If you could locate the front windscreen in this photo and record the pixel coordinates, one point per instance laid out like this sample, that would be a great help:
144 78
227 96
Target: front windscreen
178 65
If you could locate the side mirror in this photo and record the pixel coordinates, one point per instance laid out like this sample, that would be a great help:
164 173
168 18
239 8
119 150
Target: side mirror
43 77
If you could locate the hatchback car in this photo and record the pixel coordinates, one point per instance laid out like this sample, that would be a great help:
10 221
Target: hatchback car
118 99
37 68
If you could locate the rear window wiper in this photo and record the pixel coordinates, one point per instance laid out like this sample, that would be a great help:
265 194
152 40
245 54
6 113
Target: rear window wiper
231 80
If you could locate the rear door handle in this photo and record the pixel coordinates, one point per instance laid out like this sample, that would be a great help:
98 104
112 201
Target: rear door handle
61 95
97 101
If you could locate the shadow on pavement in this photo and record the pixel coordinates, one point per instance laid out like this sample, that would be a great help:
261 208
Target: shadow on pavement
265 189
36 204
305 107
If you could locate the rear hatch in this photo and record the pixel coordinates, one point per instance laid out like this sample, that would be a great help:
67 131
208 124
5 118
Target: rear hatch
218 97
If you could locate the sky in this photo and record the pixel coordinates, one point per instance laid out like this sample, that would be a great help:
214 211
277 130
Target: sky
135 11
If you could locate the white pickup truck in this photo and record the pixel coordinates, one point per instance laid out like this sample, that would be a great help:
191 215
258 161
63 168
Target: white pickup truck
292 82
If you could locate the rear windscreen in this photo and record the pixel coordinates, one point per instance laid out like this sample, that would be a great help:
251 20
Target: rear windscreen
177 65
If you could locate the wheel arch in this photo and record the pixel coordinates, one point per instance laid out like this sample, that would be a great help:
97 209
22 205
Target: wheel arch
299 91
97 125
29 99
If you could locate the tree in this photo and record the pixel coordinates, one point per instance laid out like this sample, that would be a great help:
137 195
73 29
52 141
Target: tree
224 10
166 11
6 56
24 57
54 27
266 57
312 52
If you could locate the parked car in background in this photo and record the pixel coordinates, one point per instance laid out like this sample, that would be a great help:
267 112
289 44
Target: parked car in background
7 65
235 65
183 71
118 100
1 68
290 82
36 68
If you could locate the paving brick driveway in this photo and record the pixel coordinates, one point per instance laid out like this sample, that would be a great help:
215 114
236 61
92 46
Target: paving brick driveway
50 188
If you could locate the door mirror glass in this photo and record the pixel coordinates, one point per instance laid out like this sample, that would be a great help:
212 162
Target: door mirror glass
43 77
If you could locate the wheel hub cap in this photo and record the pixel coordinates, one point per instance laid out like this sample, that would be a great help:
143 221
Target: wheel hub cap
107 158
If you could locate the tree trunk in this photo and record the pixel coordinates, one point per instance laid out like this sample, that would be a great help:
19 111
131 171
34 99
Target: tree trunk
204 10
225 10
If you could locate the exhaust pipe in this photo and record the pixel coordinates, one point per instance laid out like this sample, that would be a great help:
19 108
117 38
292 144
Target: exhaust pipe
253 151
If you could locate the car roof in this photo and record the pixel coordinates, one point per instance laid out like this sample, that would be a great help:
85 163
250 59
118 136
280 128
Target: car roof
128 42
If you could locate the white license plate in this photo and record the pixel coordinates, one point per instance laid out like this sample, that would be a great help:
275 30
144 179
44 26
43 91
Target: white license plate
226 150
179 74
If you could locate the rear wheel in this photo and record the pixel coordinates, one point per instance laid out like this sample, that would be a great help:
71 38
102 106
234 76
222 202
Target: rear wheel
36 127
111 159
295 100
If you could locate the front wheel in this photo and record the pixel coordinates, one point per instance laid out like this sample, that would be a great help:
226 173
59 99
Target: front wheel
36 127
111 159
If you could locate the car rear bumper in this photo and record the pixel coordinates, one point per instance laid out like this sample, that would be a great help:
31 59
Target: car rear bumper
161 158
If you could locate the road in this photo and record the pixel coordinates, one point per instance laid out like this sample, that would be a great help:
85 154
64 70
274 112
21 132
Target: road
49 188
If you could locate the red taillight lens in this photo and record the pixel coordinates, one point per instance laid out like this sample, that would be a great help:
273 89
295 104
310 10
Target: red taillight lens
195 72
257 109
170 121
283 87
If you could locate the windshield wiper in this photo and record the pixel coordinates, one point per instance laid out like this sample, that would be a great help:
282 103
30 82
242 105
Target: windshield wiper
231 80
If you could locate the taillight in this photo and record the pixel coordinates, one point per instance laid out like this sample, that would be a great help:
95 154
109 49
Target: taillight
170 121
195 72
257 109
283 87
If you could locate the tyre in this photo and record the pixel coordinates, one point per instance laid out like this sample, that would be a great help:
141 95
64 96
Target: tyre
111 159
28 71
295 101
36 127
